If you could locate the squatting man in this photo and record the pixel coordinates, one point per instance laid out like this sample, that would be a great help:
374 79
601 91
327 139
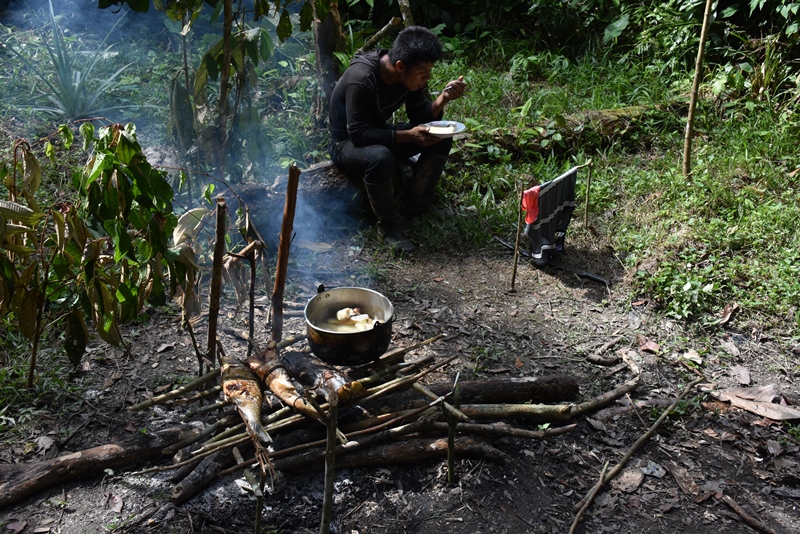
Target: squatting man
367 148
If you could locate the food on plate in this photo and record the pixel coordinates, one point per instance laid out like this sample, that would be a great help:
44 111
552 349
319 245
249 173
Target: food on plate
441 129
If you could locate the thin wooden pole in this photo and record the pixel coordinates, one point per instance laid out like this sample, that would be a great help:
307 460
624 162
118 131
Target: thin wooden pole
698 74
516 247
330 461
283 252
216 284
586 201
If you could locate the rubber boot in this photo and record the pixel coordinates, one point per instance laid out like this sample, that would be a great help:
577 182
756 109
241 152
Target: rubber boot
422 187
381 198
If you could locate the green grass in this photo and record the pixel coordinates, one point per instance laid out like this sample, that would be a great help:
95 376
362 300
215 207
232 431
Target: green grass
20 405
727 233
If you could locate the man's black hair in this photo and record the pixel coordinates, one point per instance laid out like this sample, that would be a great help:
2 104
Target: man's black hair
415 45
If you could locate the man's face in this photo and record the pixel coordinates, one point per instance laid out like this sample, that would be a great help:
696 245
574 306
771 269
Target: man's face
415 77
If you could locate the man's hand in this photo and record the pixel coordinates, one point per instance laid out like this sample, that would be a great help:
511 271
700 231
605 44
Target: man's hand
454 89
418 135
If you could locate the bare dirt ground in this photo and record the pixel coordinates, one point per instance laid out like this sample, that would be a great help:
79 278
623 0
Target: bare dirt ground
676 482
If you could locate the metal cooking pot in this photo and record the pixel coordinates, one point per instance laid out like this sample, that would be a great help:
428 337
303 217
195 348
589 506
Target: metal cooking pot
348 348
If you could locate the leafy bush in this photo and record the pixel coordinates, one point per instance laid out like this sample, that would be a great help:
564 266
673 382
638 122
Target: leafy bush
104 258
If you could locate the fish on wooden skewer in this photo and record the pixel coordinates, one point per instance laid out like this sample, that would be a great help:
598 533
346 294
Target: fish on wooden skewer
241 388
274 375
315 374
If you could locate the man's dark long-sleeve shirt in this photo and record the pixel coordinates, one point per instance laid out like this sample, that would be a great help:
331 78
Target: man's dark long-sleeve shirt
362 104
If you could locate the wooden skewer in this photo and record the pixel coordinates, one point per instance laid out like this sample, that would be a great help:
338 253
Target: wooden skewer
516 247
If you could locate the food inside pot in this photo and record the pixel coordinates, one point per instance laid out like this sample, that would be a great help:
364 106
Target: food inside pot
349 320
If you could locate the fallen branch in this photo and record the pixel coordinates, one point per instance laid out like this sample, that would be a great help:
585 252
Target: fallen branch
604 399
161 399
583 504
615 411
597 356
751 521
18 481
500 430
589 498
542 412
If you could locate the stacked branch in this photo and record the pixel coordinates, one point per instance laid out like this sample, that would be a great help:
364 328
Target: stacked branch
385 415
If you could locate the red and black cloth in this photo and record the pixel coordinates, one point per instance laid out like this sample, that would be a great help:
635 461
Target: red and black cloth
549 208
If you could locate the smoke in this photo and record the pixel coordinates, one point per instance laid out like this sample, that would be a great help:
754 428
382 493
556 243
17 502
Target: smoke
80 17
327 209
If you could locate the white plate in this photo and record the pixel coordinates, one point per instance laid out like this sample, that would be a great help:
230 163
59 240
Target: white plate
457 127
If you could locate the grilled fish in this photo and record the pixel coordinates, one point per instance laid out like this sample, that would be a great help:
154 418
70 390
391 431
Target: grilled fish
275 377
241 388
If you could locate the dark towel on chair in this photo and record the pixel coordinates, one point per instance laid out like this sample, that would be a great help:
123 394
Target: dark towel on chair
549 209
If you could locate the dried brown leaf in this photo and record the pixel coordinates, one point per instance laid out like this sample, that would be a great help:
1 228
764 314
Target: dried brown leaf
759 402
684 480
729 346
741 374
759 394
15 526
693 356
165 346
646 345
728 311
115 503
629 481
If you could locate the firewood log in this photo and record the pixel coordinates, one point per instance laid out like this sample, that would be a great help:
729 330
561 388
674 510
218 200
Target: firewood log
530 389
404 451
18 481
200 476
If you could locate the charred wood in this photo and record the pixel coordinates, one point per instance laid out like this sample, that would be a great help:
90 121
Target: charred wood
552 388
314 374
199 478
18 481
405 451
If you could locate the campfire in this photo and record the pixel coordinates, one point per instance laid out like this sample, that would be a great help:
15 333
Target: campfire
351 403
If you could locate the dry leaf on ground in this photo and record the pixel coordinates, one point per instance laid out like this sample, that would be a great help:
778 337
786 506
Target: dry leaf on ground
758 401
684 480
728 311
741 374
629 481
729 346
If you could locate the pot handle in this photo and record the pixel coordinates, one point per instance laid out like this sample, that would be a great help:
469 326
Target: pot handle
379 325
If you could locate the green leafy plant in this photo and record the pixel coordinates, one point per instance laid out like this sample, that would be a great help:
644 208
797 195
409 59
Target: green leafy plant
103 258
68 85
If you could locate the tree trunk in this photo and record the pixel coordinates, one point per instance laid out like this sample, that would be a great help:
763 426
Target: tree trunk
223 109
328 38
